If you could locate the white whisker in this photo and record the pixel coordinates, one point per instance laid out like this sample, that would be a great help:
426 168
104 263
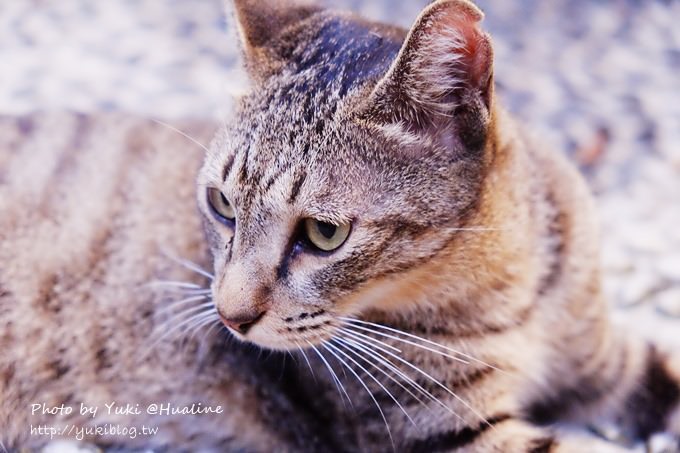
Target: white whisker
200 325
182 302
216 323
425 340
409 342
389 346
205 312
439 384
403 375
192 292
363 384
187 292
338 384
188 264
304 355
344 346
359 348
184 134
476 229
172 283
186 311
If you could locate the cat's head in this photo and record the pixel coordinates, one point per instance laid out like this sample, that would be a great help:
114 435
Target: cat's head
356 157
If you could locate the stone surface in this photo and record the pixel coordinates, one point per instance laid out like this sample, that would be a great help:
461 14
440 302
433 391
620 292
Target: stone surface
668 302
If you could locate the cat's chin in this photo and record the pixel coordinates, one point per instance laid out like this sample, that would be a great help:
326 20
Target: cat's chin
262 338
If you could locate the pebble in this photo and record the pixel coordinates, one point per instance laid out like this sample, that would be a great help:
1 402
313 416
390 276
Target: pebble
669 266
667 302
663 443
70 446
636 288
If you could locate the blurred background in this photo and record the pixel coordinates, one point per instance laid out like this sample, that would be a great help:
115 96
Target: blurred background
599 80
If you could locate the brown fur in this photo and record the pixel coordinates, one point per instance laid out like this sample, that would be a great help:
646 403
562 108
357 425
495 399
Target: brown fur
463 232
88 204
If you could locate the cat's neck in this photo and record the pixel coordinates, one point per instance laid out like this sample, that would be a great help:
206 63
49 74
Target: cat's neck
491 260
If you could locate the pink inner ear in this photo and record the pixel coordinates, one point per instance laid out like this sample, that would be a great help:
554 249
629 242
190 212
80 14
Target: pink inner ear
477 52
446 60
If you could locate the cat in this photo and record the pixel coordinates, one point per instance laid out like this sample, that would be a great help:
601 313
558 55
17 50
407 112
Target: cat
370 208
91 206
374 203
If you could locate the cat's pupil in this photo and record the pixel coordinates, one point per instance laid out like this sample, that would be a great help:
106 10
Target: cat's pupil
224 200
326 229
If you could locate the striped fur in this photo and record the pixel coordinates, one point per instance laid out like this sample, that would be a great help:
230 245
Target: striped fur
465 236
88 204
464 232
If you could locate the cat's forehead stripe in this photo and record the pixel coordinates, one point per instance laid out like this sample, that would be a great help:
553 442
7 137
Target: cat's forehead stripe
344 50
227 167
297 183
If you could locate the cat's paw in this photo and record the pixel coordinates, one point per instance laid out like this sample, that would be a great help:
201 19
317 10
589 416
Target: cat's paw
70 446
663 443
594 441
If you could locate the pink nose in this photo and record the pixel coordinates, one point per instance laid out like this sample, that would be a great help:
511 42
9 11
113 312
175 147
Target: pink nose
242 322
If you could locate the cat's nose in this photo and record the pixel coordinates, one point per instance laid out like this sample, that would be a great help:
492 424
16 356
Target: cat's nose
242 322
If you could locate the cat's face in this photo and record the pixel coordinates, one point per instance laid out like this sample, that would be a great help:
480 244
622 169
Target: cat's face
315 202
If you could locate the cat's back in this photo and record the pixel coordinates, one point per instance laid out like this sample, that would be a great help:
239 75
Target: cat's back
86 202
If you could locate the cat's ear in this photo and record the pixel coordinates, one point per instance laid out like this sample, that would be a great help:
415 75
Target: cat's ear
442 74
260 22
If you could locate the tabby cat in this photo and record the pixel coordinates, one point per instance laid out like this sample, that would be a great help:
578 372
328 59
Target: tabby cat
91 206
371 211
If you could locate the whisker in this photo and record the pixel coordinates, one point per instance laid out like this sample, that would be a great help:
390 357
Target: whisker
200 325
403 375
338 384
411 343
292 356
184 134
175 316
190 330
174 328
173 283
192 292
425 340
188 264
387 345
304 355
182 302
187 292
340 345
205 312
359 348
363 384
476 229
439 384
207 333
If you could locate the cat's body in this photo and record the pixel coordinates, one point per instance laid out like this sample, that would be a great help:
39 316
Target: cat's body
435 217
464 233
80 242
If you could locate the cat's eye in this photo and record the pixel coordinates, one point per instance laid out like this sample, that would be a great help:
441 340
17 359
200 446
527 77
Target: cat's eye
326 236
221 206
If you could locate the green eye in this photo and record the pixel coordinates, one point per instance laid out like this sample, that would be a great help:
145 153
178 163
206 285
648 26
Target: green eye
220 206
326 236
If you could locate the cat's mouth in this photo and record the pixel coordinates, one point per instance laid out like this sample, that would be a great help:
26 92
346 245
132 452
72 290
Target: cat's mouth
285 333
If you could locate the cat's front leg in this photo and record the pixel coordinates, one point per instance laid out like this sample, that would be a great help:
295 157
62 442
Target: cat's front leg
515 435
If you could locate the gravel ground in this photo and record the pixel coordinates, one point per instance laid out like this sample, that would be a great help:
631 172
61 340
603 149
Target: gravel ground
596 79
